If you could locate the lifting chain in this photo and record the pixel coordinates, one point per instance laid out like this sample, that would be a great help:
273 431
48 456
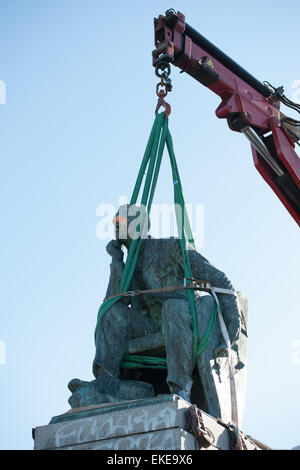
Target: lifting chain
163 70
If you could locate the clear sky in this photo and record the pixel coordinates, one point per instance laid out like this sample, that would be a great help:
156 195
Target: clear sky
80 100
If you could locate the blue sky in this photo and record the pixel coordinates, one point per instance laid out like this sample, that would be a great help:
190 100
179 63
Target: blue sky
80 100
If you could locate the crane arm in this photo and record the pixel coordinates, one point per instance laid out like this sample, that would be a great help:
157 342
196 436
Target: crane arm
249 106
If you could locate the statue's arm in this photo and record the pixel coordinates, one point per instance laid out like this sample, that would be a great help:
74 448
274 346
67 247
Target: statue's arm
202 269
116 270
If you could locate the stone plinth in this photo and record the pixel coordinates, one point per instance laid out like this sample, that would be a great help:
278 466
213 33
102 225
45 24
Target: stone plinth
153 424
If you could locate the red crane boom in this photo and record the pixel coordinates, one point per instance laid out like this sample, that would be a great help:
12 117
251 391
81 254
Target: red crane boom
250 106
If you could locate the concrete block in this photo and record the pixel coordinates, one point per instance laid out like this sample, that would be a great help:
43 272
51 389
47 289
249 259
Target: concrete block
152 424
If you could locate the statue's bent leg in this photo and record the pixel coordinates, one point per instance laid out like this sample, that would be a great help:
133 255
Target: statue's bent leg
117 326
177 330
112 339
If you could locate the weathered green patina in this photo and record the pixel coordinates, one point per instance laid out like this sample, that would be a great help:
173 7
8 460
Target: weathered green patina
151 264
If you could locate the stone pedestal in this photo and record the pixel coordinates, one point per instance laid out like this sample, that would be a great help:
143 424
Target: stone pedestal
154 424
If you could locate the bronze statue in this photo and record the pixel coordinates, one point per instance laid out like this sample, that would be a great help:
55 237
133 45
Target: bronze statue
160 264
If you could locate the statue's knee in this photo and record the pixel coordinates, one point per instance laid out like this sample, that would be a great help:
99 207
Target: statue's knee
116 315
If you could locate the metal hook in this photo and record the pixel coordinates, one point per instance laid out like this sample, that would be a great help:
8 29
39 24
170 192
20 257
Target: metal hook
161 102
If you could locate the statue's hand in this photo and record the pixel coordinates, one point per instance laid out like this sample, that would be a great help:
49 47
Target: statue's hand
114 250
221 350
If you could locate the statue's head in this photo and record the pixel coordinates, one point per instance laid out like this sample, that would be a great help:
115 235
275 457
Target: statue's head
131 222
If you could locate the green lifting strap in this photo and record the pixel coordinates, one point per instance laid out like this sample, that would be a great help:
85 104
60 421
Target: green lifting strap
159 137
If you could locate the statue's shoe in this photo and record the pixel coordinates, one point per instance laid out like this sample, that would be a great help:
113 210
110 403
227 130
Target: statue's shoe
85 394
107 389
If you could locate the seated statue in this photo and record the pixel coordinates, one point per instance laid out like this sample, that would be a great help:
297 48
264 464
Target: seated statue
159 264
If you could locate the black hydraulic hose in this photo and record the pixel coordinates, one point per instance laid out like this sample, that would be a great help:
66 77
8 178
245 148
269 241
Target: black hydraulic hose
202 42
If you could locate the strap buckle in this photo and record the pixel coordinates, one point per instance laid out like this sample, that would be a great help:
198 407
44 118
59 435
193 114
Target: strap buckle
200 284
130 293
